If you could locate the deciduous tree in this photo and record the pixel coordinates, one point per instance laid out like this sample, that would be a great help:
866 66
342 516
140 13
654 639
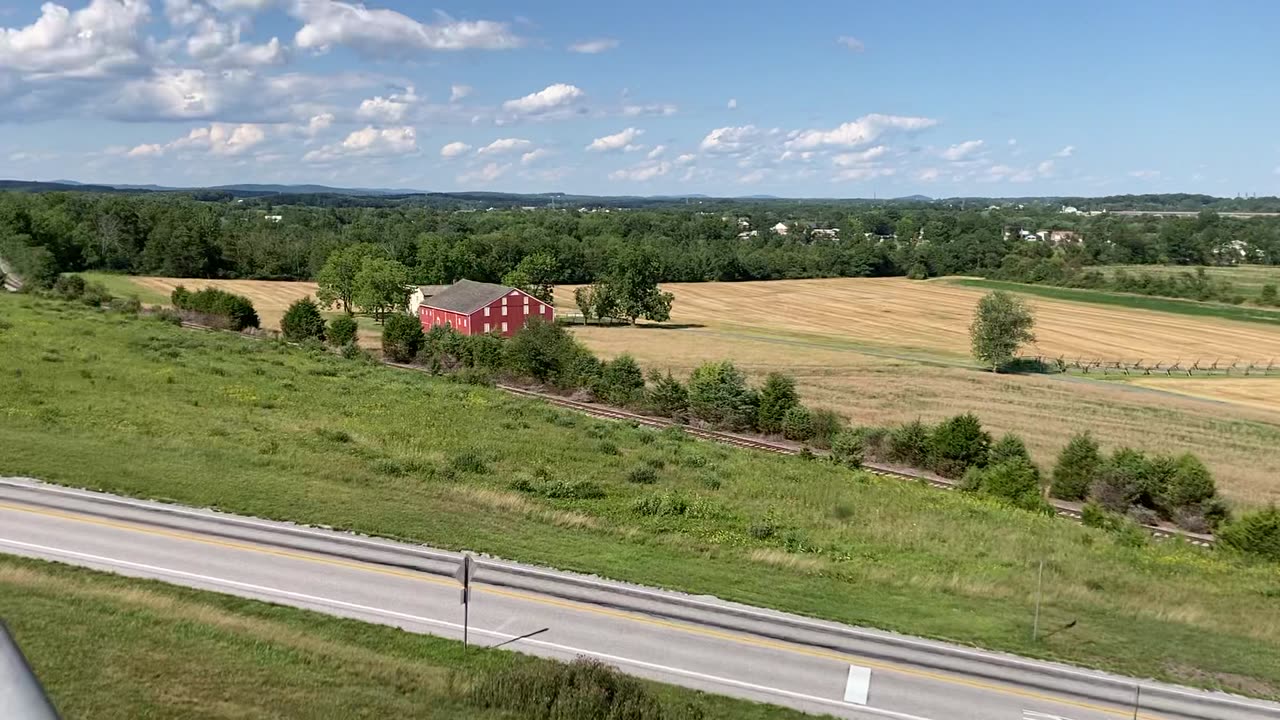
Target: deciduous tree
1001 325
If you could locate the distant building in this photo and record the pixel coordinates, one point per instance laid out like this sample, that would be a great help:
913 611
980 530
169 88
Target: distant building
781 228
475 308
828 233
1065 237
273 218
1069 210
421 293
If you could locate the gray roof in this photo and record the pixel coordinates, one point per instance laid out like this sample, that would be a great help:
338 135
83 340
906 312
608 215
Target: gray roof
466 296
432 290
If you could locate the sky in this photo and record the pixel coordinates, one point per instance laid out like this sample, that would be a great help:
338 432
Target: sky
818 98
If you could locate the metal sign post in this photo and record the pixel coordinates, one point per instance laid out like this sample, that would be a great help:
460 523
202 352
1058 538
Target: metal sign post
466 571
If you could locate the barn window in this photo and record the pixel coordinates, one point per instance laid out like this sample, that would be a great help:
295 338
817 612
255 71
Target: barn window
504 326
486 311
504 307
504 300
486 325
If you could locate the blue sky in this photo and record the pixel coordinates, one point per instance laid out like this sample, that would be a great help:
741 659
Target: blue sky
829 98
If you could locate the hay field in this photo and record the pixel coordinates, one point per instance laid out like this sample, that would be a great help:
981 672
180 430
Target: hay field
1256 392
889 351
931 317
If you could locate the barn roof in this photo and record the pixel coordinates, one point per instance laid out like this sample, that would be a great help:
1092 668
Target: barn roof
466 296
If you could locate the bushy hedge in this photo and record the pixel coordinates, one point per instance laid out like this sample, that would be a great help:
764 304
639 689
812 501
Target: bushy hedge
237 310
402 337
302 321
341 331
1256 533
582 690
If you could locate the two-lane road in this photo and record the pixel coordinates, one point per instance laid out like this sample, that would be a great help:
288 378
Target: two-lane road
697 642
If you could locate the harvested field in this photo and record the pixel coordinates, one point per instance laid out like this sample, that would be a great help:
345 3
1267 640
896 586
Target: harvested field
1260 393
916 317
866 359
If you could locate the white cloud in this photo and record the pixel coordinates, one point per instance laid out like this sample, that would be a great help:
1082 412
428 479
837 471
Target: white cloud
195 94
486 174
319 123
656 152
1065 152
642 172
251 6
1145 174
662 109
962 151
1045 168
591 47
369 142
852 159
929 174
752 177
996 173
217 139
859 132
732 104
552 97
454 149
388 110
99 40
328 23
457 92
686 159
623 140
217 44
502 146
850 42
731 139
534 156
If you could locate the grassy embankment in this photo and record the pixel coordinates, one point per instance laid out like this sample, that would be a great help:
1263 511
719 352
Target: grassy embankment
109 647
137 407
1245 279
1176 306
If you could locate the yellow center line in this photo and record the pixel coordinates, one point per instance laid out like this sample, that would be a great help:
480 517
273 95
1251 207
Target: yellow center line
577 607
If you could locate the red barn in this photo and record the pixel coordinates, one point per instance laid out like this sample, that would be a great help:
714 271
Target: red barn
473 308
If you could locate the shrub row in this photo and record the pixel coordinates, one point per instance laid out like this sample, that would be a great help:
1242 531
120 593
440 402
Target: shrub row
236 310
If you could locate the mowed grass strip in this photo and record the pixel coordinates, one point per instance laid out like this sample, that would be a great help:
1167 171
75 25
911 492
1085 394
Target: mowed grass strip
109 647
134 406
1175 306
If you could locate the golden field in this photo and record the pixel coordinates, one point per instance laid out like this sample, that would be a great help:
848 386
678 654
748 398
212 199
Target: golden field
884 351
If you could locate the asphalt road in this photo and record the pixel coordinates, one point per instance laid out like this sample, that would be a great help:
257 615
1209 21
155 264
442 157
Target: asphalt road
698 642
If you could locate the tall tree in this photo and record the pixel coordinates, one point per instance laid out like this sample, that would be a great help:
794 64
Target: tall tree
1001 325
381 287
535 274
630 290
337 279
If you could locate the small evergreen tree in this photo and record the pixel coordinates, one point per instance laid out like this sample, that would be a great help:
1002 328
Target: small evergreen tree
909 444
667 395
341 331
1015 481
302 321
1269 295
847 448
621 381
1077 467
1008 448
958 444
718 394
1190 484
797 424
777 397
401 337
1256 533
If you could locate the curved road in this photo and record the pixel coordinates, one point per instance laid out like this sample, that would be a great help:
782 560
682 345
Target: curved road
698 642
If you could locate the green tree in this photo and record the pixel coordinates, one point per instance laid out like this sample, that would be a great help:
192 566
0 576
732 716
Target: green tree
1269 294
1008 448
1190 484
535 274
1077 466
1000 326
718 394
621 381
1256 533
777 396
341 331
848 448
958 444
302 321
548 353
1015 481
797 424
381 287
337 279
584 298
667 395
401 338
630 290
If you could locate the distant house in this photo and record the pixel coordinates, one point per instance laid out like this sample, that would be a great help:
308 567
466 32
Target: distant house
475 308
828 233
421 293
1069 210
1063 237
781 228
273 218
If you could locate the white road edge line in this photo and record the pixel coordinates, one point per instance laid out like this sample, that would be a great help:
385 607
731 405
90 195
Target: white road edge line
454 626
35 485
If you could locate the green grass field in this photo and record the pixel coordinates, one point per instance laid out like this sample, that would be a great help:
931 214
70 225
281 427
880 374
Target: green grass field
1247 279
138 407
1129 300
109 647
124 286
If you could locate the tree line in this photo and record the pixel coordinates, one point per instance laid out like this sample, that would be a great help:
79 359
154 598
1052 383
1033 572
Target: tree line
44 234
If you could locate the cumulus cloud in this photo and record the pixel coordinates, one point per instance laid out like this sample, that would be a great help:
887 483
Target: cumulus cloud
1065 152
656 152
503 146
752 177
369 142
864 130
731 139
623 140
962 151
486 174
196 94
534 156
552 97
851 43
852 159
1045 168
592 47
457 92
454 149
216 42
732 104
218 139
686 158
101 39
381 33
319 123
643 172
389 110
